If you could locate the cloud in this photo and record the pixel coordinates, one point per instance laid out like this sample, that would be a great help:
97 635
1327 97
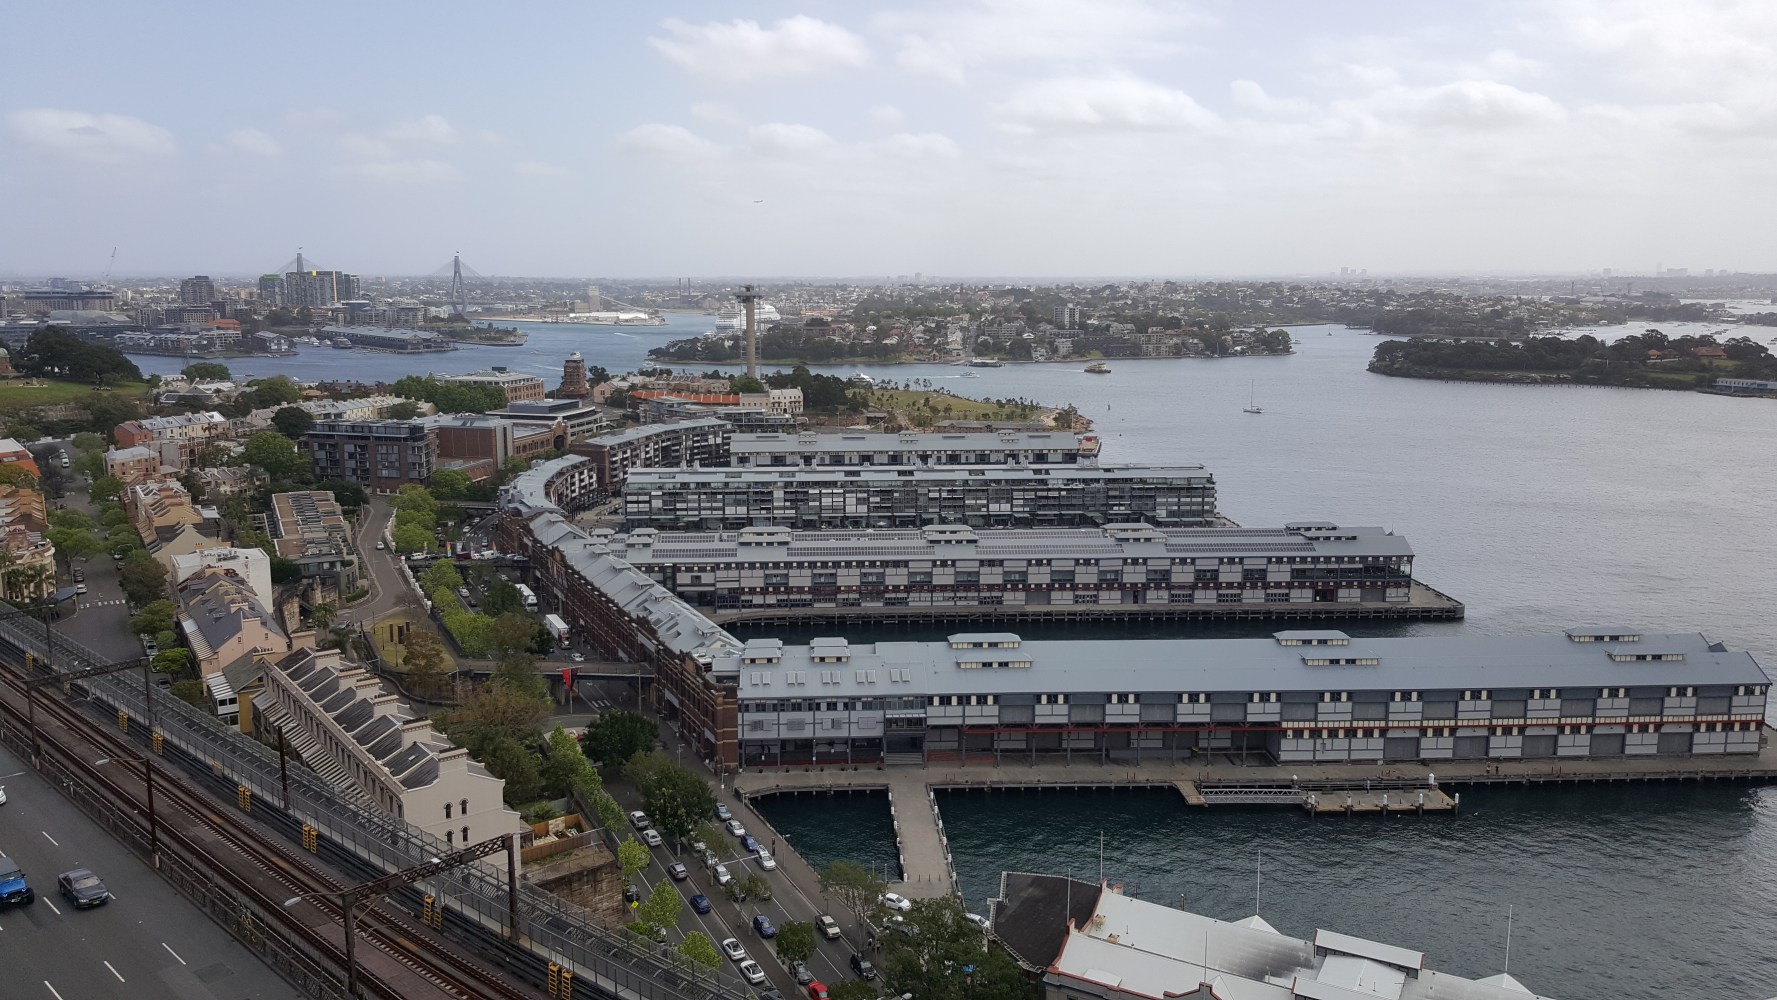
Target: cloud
669 141
253 142
1249 96
1466 104
887 116
537 168
1113 103
946 40
418 172
366 147
918 146
742 50
786 140
435 129
98 138
717 114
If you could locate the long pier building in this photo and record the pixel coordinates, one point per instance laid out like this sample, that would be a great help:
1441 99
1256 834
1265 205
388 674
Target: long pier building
809 449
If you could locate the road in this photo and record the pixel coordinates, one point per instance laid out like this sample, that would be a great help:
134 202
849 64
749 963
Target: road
384 580
148 943
100 617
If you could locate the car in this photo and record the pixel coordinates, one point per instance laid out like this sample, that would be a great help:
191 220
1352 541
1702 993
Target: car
734 892
722 813
800 971
678 871
723 877
735 951
751 971
699 848
80 588
977 919
380 547
84 889
632 895
710 860
640 820
749 844
651 837
735 829
701 903
895 901
766 861
828 927
2 795
14 891
463 592
577 657
862 966
762 926
817 990
79 574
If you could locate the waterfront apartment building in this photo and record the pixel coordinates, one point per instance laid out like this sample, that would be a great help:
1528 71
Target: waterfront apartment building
1315 696
674 445
582 419
350 730
1012 448
1137 568
379 455
176 439
997 496
568 483
517 386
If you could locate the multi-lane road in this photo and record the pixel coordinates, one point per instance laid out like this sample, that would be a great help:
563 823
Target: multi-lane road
148 943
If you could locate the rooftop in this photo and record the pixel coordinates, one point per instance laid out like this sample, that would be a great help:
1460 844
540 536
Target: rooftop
642 432
818 443
641 479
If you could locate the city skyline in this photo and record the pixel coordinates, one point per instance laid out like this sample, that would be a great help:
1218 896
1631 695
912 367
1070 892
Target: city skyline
819 140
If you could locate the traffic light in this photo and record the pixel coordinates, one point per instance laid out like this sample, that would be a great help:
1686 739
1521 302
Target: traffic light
244 797
554 981
123 720
311 839
159 743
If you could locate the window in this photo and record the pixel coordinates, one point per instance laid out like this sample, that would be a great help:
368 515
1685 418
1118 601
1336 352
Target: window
465 835
447 810
465 807
450 837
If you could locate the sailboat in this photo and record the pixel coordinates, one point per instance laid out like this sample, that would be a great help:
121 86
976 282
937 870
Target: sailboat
1252 405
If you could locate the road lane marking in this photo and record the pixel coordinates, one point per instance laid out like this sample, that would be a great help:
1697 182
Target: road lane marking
49 838
114 971
52 906
52 990
12 775
171 952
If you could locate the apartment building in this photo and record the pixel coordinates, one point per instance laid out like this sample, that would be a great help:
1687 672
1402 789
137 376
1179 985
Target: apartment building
479 438
517 386
14 453
379 455
168 522
134 464
566 484
308 528
176 439
347 727
28 572
1011 448
686 443
582 419
874 497
223 621
252 566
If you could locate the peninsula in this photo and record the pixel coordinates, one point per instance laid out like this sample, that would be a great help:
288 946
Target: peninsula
1649 360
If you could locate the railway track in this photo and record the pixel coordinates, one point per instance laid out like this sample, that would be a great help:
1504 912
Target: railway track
402 960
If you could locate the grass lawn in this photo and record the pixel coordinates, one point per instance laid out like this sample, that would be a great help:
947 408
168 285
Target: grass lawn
15 394
908 400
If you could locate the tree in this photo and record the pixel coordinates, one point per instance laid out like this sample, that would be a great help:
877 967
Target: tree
632 856
192 693
276 455
207 371
407 409
411 538
106 488
348 494
708 833
154 618
75 543
53 352
661 908
450 484
674 797
106 410
519 766
745 383
284 570
700 949
795 941
511 633
422 652
494 712
88 441
929 963
14 474
293 421
171 661
503 598
853 885
275 391
323 614
566 768
142 578
614 737
754 885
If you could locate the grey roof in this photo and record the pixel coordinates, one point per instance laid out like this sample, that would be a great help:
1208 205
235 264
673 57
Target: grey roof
642 432
645 479
1420 663
218 606
763 443
528 491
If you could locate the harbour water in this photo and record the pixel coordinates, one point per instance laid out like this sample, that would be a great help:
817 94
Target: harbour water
1540 507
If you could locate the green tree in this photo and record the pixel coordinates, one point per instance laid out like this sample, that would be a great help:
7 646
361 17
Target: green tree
284 570
614 737
796 941
566 768
68 517
926 964
192 693
275 391
113 517
632 856
53 352
207 371
511 633
745 383
754 885
423 660
154 618
407 409
674 797
348 494
708 833
88 441
441 574
75 543
143 580
661 908
853 885
519 766
450 484
502 598
106 488
700 949
323 614
276 455
494 712
171 661
293 421
610 813
411 538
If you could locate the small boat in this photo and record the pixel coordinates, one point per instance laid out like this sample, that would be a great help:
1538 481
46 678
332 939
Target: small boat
986 363
342 343
970 375
1252 405
1099 368
859 378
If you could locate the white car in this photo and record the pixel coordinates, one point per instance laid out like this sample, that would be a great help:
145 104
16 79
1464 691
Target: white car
977 919
2 795
895 901
723 876
750 969
766 861
651 837
734 949
380 547
640 820
80 588
735 829
828 927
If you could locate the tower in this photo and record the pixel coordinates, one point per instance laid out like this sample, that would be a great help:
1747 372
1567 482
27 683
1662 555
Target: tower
748 300
573 378
595 302
459 295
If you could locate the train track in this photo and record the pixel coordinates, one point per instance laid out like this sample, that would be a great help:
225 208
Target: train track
402 961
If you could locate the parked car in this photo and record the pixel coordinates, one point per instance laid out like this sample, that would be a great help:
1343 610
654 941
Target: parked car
651 837
751 971
828 927
632 895
895 901
749 844
79 574
80 588
14 891
2 795
701 903
722 875
766 861
862 966
82 888
640 820
699 848
817 990
735 829
977 919
722 813
762 926
678 871
735 951
800 971
734 892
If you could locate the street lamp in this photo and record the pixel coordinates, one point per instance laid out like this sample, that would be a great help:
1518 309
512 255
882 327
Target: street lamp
153 821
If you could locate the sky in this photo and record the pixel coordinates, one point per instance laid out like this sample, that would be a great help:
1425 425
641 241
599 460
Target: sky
820 138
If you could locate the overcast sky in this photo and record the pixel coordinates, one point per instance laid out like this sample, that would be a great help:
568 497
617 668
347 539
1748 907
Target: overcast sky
968 137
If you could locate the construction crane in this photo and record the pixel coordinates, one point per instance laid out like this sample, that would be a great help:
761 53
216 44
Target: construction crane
106 280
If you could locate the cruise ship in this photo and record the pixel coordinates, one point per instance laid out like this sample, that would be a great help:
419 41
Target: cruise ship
735 318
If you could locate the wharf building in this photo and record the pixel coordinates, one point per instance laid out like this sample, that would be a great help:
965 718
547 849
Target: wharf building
906 496
1303 569
386 339
1013 448
379 455
676 445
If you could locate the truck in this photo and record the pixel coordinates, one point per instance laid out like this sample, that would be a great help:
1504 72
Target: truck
557 627
528 596
13 889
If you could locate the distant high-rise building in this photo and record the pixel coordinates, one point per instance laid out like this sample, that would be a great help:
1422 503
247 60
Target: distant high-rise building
197 291
319 289
595 302
573 378
271 289
1067 317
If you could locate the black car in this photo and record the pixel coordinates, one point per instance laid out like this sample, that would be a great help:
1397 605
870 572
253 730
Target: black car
862 966
632 895
84 889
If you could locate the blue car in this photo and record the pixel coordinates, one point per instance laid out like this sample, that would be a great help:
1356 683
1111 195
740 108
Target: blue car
750 844
700 903
762 924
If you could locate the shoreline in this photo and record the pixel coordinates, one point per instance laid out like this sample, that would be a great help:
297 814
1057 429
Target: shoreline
880 363
1553 379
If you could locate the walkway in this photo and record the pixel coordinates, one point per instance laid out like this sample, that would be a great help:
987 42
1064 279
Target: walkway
919 834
